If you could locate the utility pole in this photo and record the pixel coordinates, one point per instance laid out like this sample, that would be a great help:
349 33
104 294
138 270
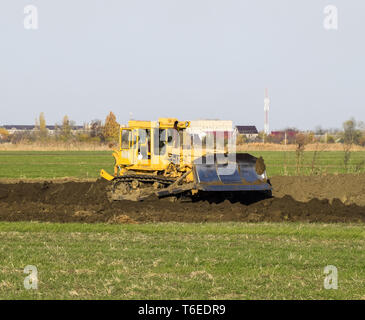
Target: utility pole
266 111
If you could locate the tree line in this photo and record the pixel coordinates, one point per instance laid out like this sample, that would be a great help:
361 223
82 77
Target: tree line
96 131
352 133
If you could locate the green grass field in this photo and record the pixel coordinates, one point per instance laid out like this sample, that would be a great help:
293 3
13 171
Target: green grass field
87 164
175 260
182 261
326 162
54 164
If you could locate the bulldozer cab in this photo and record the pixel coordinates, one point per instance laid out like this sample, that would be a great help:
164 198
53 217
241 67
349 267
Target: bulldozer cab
135 146
148 145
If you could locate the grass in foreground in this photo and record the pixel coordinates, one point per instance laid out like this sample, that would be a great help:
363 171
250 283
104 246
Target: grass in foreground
182 261
87 164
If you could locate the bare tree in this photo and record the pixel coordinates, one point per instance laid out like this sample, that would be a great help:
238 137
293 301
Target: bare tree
96 129
351 136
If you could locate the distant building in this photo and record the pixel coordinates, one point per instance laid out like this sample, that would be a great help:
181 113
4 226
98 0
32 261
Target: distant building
18 128
288 136
250 132
289 133
51 129
211 125
215 127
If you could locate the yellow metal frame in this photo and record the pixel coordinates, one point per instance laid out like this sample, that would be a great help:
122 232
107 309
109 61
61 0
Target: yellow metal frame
126 159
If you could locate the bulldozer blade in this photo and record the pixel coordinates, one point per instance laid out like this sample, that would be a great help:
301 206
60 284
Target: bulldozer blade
235 173
106 175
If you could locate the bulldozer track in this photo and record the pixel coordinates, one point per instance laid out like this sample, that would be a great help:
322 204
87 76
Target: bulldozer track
144 178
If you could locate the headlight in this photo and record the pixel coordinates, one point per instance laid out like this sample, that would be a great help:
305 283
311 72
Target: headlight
263 176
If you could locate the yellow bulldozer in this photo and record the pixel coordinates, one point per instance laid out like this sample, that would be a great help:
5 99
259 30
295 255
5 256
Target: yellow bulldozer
161 158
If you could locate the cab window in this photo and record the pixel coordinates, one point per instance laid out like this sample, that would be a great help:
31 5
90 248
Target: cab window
126 134
133 139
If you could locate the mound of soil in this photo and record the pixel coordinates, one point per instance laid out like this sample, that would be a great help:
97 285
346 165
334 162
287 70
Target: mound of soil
349 188
311 199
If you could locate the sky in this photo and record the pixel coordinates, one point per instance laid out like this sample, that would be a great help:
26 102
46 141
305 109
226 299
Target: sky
189 59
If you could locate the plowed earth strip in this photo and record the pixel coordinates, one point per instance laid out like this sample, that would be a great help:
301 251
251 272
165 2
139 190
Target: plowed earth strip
294 200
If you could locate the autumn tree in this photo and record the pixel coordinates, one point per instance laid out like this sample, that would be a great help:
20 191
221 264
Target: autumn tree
42 122
42 126
66 127
111 127
4 134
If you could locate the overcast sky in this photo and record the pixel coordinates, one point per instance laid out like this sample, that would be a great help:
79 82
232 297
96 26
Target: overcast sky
190 59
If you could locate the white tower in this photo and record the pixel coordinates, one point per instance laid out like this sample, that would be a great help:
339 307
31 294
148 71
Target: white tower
266 110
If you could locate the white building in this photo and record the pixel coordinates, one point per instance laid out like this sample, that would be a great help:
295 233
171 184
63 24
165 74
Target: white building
206 126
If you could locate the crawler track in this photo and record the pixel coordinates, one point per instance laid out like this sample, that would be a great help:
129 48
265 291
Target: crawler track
144 178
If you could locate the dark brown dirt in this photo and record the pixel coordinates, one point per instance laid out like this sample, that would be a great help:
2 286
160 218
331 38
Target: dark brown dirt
349 188
295 199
